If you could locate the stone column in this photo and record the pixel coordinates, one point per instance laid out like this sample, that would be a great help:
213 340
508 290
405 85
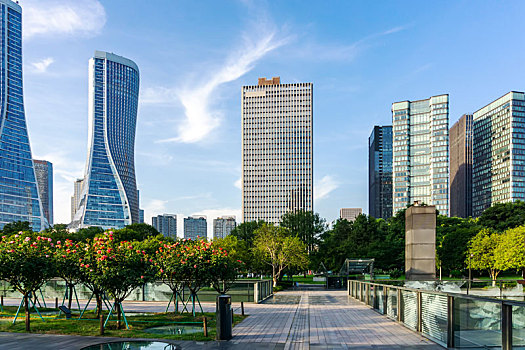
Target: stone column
420 243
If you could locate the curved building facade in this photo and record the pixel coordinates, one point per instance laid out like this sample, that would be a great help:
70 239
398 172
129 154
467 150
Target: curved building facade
109 196
19 197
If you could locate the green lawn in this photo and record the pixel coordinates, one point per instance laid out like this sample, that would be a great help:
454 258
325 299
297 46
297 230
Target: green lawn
90 326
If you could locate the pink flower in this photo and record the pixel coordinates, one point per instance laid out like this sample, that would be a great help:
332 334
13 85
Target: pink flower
195 266
58 242
27 239
142 277
16 236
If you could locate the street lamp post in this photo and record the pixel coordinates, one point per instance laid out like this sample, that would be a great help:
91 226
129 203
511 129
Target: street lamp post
469 272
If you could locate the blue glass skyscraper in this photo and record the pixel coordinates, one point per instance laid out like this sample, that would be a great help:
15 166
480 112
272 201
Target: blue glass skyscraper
109 195
380 172
19 199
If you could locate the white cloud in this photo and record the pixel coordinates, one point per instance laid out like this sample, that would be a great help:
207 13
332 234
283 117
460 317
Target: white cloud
323 188
238 183
42 65
196 100
154 207
158 95
62 17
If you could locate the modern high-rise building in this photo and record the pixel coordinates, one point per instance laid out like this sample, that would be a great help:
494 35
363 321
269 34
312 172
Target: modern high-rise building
350 214
75 199
165 224
420 153
109 195
499 152
195 227
44 179
223 226
461 167
19 198
277 153
380 172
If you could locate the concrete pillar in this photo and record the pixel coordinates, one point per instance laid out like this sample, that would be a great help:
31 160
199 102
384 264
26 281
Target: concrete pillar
420 243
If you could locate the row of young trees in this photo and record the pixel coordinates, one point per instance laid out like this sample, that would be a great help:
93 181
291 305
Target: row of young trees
112 265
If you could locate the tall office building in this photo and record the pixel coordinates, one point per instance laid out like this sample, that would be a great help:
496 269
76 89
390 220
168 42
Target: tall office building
461 167
165 224
380 172
223 226
420 159
499 152
19 198
109 195
75 199
44 179
195 227
277 154
350 214
141 216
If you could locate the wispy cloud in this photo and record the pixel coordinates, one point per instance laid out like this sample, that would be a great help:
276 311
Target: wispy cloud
42 65
323 188
200 118
342 52
63 17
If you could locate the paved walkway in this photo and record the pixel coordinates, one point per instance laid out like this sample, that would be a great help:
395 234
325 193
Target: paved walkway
310 319
324 320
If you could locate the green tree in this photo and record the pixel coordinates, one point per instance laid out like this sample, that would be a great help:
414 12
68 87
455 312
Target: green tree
169 269
118 268
26 264
280 250
481 250
502 216
16 227
306 225
246 231
510 252
67 257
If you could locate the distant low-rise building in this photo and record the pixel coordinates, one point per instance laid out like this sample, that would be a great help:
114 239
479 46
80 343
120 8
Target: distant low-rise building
166 224
223 226
195 227
350 213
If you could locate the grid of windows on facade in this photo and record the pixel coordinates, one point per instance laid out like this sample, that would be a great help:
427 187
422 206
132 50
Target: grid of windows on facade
44 179
461 134
420 153
223 226
499 152
195 227
380 172
109 193
166 224
19 198
277 154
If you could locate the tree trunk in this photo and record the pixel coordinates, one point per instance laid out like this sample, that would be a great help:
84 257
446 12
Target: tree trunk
70 286
117 309
28 316
274 277
98 297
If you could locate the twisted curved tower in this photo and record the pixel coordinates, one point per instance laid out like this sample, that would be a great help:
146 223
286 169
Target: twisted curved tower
109 196
19 198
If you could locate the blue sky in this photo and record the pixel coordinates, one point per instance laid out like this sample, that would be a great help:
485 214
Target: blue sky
194 56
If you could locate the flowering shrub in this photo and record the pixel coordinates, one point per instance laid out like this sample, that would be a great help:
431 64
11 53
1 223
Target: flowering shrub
68 257
116 267
26 263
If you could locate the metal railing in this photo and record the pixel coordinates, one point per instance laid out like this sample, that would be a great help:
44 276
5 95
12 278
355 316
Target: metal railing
453 320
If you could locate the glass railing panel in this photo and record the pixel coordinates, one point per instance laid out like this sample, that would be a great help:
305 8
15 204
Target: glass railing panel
518 327
434 317
379 302
409 300
477 323
391 309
